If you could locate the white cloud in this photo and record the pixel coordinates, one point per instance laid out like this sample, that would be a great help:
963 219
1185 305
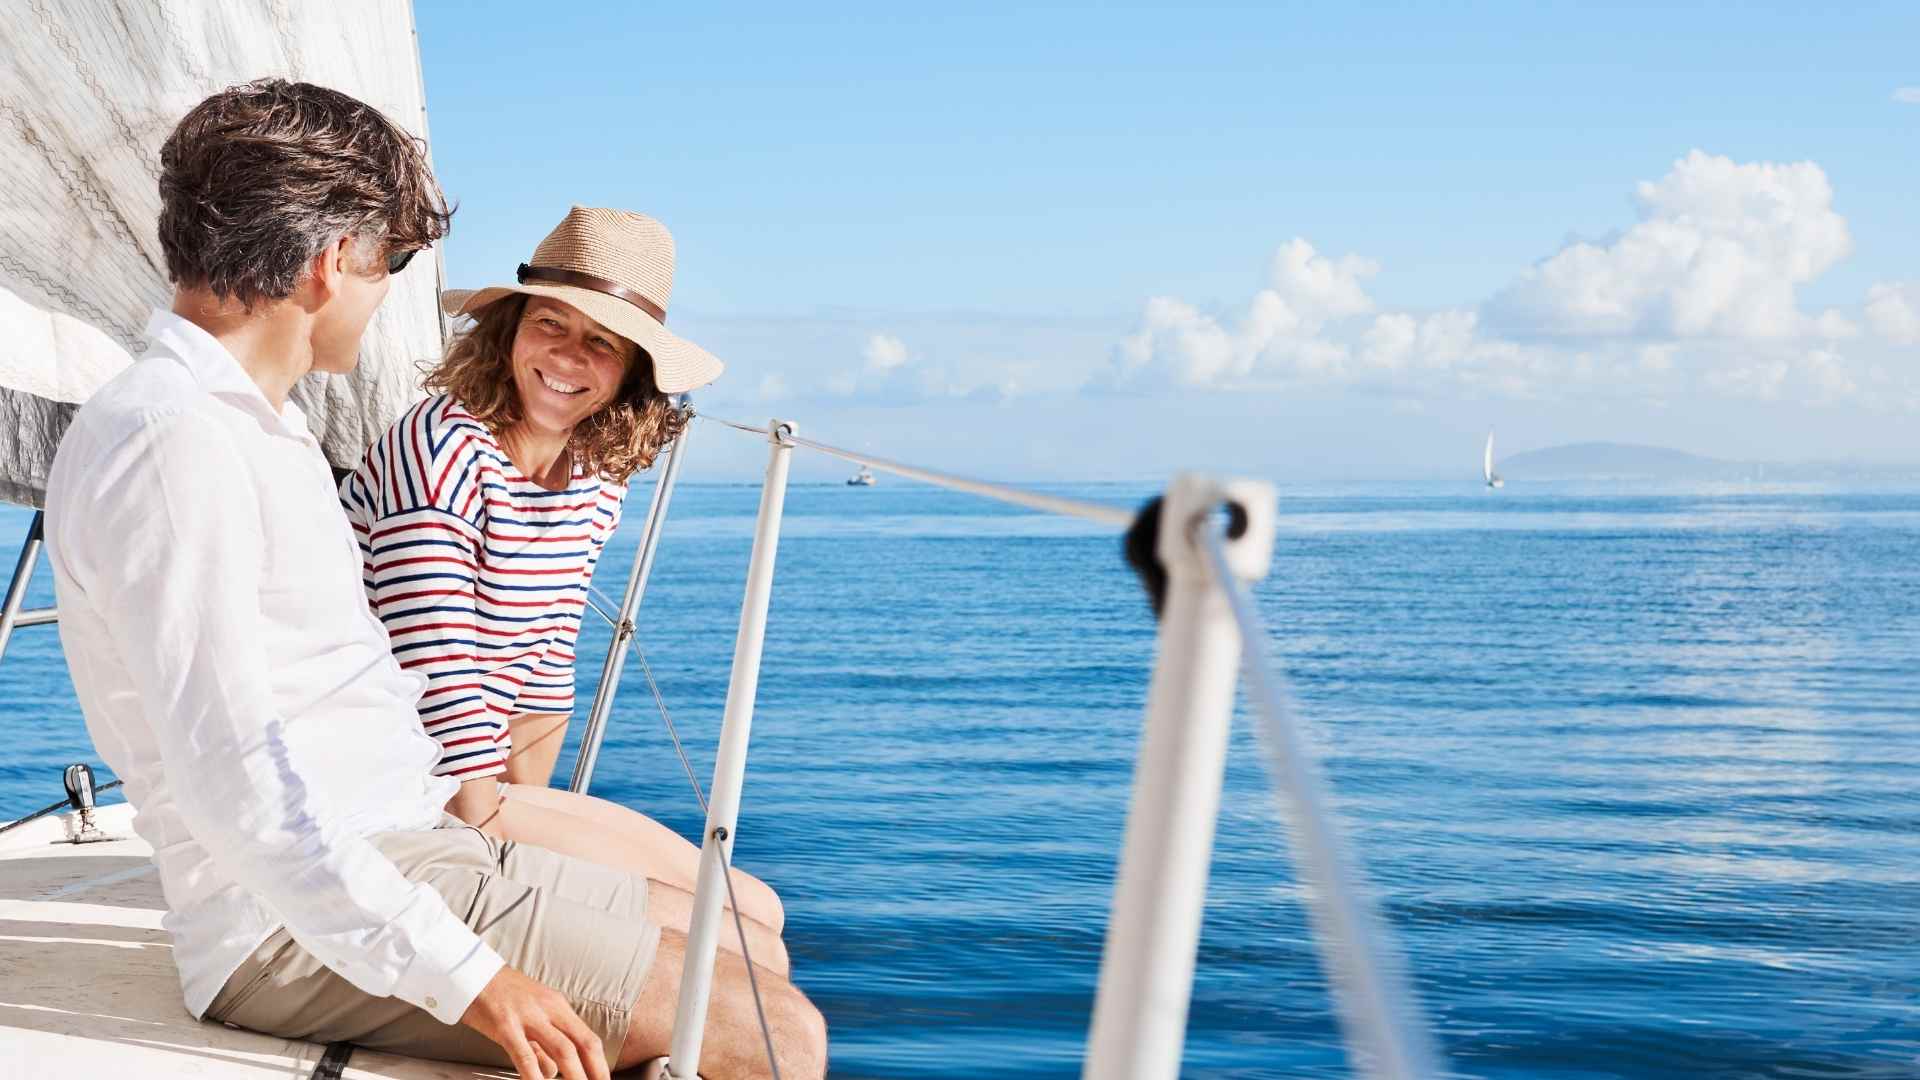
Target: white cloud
1193 347
1317 288
884 353
1761 380
839 358
1281 333
1893 310
1832 325
1315 324
1817 376
1751 234
1828 375
1719 250
1907 95
882 371
1697 297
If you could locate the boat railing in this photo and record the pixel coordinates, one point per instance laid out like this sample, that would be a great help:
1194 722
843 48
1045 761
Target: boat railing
1206 539
11 613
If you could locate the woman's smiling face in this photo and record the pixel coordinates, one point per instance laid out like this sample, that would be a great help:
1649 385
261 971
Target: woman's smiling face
565 365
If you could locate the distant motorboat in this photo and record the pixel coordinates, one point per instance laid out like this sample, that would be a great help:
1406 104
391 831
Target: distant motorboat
1486 465
863 478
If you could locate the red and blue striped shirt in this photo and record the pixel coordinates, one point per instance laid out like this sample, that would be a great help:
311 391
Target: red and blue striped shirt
479 574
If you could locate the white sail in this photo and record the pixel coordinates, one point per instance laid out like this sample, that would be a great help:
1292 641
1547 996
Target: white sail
1486 466
88 91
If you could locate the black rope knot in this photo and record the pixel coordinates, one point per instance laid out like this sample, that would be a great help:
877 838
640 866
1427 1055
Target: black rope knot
1140 546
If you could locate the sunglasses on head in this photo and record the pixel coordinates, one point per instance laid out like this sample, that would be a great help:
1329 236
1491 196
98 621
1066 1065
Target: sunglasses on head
398 260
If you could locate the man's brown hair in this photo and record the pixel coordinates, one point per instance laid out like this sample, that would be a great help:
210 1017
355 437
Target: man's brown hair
260 178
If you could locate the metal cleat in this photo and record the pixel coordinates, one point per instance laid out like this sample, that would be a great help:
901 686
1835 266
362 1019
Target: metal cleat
79 823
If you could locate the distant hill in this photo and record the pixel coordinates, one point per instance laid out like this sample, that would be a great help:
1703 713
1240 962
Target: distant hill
1598 459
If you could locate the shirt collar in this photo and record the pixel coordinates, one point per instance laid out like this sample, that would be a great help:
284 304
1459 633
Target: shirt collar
217 372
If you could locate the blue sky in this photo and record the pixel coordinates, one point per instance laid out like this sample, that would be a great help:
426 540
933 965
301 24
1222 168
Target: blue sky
1106 242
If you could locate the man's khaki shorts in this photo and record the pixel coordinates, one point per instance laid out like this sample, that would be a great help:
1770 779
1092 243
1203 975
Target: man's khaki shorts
578 927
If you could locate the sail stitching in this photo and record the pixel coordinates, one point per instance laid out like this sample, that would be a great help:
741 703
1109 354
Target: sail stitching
84 192
179 40
75 305
65 44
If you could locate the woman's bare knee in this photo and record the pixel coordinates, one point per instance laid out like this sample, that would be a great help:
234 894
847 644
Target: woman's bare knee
672 909
759 901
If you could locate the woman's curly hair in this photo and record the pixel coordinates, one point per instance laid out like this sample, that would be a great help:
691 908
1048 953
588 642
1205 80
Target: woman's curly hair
619 439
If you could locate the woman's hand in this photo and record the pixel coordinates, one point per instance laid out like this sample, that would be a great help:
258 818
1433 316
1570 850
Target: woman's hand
477 802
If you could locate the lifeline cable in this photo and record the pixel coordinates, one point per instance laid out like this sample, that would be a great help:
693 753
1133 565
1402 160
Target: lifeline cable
1118 517
63 804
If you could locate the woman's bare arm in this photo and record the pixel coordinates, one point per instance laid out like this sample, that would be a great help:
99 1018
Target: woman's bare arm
477 803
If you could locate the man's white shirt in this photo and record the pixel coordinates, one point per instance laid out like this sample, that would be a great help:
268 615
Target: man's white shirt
217 629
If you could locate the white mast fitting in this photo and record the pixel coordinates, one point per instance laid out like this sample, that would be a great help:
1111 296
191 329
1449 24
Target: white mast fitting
1146 971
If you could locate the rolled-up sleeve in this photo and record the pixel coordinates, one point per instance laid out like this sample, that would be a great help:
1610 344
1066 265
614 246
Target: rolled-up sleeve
185 618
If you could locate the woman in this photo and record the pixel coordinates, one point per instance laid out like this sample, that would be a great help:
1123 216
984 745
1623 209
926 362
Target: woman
483 510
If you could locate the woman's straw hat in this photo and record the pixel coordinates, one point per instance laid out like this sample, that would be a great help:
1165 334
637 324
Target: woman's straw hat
616 266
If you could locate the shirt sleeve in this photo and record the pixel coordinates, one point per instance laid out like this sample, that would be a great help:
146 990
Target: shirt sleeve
416 509
185 618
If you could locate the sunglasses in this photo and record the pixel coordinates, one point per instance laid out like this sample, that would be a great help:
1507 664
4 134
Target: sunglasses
398 260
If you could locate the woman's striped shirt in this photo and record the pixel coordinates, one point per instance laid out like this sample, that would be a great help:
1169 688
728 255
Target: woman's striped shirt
479 574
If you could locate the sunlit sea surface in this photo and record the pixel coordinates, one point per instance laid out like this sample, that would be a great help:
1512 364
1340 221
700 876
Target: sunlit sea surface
1636 775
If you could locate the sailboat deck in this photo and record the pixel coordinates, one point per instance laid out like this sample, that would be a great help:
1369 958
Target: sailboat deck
89 981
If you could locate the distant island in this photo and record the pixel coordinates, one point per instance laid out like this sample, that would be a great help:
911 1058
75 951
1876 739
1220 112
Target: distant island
1602 459
1608 460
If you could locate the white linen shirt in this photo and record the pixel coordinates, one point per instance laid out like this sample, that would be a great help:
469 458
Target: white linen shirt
214 620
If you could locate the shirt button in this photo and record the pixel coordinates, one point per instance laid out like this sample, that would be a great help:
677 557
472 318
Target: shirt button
432 1003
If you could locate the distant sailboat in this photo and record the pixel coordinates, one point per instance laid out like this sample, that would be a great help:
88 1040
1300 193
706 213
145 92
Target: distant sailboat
863 478
1486 465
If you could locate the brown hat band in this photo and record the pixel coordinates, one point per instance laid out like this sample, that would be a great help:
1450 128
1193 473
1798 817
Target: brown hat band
597 284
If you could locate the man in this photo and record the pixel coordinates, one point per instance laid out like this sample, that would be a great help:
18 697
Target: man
231 673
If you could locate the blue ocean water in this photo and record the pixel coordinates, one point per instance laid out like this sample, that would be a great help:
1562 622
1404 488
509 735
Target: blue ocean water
1636 775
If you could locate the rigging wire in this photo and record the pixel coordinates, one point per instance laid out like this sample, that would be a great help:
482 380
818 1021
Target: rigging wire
1377 1006
726 862
1101 513
63 804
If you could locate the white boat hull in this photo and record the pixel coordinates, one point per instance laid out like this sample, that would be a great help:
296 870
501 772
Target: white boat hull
90 987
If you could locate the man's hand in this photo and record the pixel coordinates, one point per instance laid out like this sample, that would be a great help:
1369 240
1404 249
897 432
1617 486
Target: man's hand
537 1029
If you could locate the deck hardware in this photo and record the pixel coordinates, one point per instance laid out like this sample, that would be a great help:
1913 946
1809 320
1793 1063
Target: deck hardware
80 795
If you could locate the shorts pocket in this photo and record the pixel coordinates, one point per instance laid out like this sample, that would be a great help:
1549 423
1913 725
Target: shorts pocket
266 958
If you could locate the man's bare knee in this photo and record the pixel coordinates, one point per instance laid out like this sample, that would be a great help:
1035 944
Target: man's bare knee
732 1044
806 1042
796 1028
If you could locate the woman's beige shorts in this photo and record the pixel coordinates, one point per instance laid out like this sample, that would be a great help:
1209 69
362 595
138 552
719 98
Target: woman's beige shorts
578 927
